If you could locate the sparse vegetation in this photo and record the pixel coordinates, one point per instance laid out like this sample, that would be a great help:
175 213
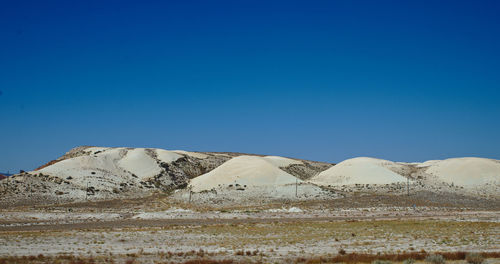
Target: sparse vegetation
409 261
381 262
246 234
435 259
384 258
474 258
180 257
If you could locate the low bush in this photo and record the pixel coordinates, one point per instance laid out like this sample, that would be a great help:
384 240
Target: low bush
378 261
474 258
435 259
409 261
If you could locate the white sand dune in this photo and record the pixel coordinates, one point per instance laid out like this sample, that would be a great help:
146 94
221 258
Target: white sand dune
244 170
166 155
281 161
94 150
360 171
138 162
100 169
192 154
464 171
108 167
427 163
105 161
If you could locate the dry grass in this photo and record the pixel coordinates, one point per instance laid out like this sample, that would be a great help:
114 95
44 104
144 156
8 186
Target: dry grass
360 233
336 241
368 258
346 258
474 258
61 259
208 261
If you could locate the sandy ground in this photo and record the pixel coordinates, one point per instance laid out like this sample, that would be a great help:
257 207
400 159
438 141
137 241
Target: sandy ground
246 209
279 234
60 220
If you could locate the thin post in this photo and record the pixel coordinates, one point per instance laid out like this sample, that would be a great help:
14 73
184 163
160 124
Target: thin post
296 183
408 186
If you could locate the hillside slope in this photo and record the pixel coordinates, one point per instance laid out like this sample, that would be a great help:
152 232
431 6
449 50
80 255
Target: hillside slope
100 173
245 171
465 171
107 173
256 179
361 171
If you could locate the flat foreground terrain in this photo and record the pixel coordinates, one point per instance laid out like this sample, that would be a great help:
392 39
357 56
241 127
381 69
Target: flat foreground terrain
263 236
141 205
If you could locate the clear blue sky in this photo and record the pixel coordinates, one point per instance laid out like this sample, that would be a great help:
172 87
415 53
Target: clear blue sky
319 80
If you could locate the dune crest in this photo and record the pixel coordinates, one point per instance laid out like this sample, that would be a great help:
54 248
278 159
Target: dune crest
361 170
244 170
